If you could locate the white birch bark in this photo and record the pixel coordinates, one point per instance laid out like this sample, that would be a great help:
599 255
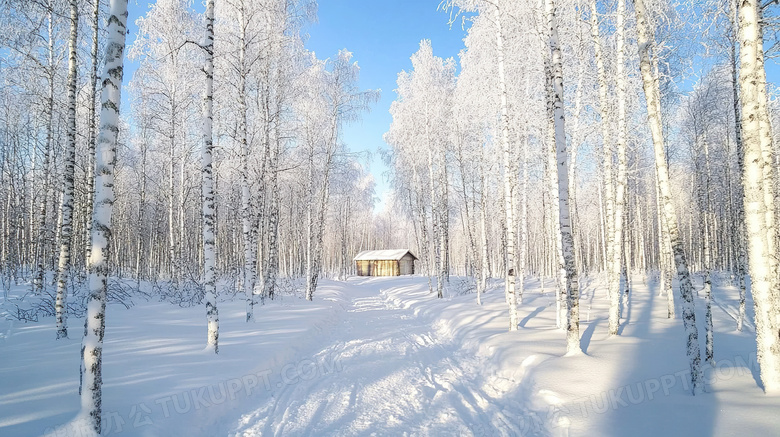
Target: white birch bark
43 231
424 243
564 213
66 209
271 272
652 96
665 247
92 126
95 323
435 217
767 154
706 243
620 192
172 254
468 219
182 217
250 261
316 227
551 159
740 225
523 257
508 210
310 229
140 217
606 134
757 214
209 259
484 239
345 225
575 144
316 260
444 218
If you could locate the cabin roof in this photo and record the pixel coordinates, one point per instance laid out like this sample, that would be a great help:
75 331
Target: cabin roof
383 255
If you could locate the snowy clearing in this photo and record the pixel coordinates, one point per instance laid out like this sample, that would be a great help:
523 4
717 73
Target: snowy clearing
382 356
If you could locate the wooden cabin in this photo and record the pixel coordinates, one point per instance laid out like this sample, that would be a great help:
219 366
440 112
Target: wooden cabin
385 262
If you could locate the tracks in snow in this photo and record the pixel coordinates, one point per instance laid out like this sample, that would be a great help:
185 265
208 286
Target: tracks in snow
395 377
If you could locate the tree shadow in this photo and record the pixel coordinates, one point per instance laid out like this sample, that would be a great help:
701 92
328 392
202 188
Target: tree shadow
588 334
531 315
653 380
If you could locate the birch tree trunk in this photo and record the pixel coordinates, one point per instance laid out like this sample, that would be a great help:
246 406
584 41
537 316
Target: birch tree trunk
606 134
209 260
92 127
468 223
522 260
740 151
314 261
345 222
444 218
250 261
141 208
310 227
665 247
508 209
270 175
709 342
652 96
272 270
572 157
620 194
66 211
183 248
172 264
316 251
564 213
758 217
43 231
95 323
551 158
483 235
424 243
435 216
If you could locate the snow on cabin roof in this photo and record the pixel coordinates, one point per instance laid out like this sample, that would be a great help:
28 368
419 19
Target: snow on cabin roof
393 254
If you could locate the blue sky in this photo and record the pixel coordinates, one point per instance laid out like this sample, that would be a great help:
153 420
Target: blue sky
382 35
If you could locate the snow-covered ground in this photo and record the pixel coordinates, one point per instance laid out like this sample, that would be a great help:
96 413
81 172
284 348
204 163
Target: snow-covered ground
383 356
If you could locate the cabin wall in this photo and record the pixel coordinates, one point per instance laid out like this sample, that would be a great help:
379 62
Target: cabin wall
385 268
406 264
378 268
363 268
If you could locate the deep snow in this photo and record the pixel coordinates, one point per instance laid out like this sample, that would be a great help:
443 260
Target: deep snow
383 356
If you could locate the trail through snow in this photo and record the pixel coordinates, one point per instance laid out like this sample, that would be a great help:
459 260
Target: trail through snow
396 375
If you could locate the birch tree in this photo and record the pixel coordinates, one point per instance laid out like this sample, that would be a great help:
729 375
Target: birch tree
620 194
742 262
95 325
509 287
564 213
652 97
66 209
209 280
92 129
606 136
758 183
44 234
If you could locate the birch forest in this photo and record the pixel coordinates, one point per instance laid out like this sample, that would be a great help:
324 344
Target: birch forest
624 141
